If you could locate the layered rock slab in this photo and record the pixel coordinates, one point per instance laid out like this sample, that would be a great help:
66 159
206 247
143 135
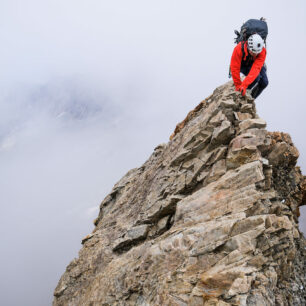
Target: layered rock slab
210 219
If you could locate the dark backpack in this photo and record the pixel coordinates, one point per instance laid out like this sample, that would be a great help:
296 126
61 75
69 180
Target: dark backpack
252 26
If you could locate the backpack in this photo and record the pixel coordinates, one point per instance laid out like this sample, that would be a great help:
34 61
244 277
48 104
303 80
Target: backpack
252 26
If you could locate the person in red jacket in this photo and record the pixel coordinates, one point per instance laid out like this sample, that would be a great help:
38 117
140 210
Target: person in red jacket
249 57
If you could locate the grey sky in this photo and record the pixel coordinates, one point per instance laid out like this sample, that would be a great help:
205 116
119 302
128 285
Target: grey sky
89 88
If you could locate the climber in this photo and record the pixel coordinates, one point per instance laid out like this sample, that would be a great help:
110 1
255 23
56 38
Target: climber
248 58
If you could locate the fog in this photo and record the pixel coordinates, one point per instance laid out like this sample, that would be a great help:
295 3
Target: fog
89 88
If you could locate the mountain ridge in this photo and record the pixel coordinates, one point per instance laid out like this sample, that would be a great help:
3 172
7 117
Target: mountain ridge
211 218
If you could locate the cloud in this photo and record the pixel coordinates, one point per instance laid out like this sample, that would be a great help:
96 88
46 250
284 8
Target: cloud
88 90
7 143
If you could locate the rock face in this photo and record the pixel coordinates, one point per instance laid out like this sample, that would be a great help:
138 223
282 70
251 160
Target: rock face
211 218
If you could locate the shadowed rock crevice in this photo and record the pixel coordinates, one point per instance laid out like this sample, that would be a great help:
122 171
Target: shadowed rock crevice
211 218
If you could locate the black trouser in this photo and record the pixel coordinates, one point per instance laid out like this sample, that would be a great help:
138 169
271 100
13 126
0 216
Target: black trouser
260 83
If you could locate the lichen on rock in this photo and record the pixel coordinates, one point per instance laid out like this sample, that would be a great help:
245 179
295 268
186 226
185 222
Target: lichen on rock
211 218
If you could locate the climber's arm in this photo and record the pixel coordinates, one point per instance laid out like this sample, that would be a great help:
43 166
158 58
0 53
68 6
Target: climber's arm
236 64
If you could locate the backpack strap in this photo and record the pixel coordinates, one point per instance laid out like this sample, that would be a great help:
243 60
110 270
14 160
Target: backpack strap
242 49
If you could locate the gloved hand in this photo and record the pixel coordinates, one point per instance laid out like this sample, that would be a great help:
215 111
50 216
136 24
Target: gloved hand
237 86
242 89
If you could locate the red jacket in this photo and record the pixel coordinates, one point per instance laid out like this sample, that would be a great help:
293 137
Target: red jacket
236 64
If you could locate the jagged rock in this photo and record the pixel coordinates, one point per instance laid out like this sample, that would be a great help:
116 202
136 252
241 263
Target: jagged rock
132 237
252 123
246 148
222 134
161 209
87 237
242 116
218 119
228 104
247 108
211 218
283 152
217 170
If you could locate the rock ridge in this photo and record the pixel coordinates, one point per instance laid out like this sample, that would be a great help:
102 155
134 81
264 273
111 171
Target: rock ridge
211 218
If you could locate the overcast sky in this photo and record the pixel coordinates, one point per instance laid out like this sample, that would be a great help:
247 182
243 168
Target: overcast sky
89 88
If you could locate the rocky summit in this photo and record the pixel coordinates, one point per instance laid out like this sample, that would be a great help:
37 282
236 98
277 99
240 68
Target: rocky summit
211 218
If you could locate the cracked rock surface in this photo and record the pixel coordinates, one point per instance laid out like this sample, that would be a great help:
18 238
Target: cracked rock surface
211 218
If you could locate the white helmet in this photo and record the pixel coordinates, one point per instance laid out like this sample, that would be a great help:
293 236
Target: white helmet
255 43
